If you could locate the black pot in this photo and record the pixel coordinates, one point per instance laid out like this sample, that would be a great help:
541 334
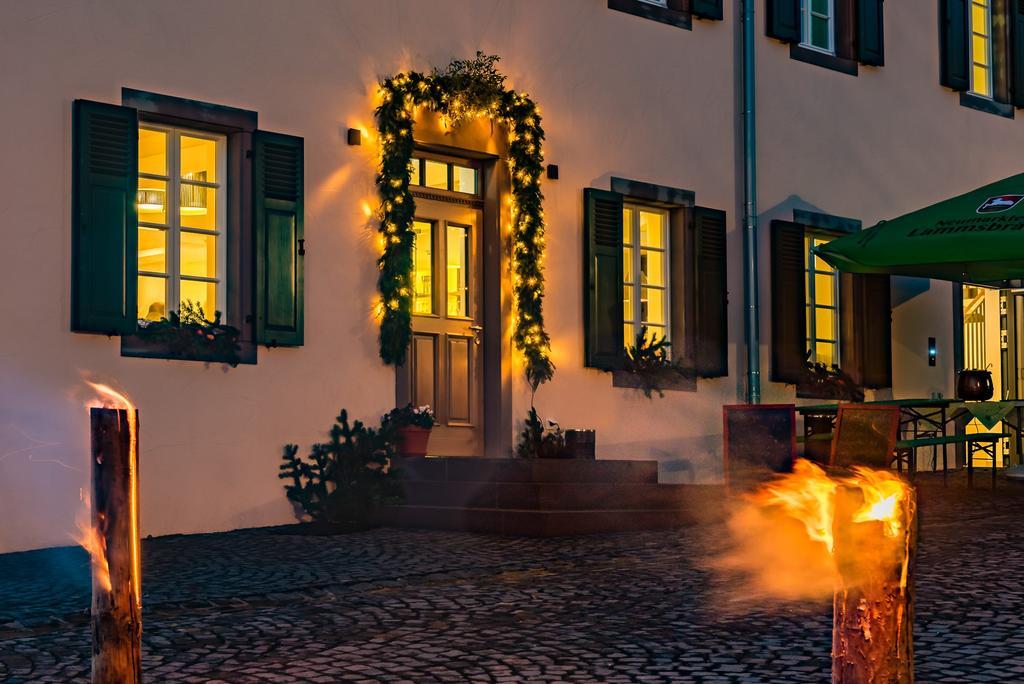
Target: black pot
974 385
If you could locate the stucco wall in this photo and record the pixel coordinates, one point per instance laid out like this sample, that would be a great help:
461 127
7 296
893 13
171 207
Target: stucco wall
620 96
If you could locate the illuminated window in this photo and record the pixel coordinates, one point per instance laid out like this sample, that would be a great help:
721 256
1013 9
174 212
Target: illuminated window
442 175
981 47
181 243
817 25
645 275
822 287
457 251
423 267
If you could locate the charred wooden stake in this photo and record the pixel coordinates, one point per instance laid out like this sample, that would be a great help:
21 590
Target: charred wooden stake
116 604
872 628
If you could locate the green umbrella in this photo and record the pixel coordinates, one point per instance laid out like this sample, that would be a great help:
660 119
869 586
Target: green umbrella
977 237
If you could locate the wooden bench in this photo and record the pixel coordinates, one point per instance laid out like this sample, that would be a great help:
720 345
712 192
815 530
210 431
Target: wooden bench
986 441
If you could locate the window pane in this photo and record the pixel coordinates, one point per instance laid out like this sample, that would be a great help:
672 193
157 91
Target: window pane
152 250
824 289
819 6
627 264
152 201
825 352
423 267
198 159
652 268
627 225
980 54
414 171
152 298
819 33
458 286
628 335
979 82
201 293
628 313
464 179
821 265
437 174
152 152
652 229
652 306
825 322
198 255
198 206
656 332
978 18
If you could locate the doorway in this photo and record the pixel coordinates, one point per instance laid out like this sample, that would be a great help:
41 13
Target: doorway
445 362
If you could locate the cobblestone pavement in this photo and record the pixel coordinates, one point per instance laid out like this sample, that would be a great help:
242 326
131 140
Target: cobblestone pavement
418 606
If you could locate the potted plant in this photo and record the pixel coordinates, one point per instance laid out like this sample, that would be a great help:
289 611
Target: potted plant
412 424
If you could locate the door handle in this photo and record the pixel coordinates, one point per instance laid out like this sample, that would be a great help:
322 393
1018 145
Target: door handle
477 329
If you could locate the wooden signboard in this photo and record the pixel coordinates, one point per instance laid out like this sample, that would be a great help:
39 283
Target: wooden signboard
760 442
865 435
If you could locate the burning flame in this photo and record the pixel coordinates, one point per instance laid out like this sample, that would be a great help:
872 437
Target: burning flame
108 397
807 494
90 539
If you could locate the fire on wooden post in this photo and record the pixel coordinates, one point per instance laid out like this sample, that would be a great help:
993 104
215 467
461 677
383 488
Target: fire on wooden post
851 536
112 538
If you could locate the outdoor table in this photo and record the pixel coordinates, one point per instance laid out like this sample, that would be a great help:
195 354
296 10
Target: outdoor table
918 417
990 414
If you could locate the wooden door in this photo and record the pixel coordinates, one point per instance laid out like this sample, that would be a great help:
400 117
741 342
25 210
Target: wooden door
444 367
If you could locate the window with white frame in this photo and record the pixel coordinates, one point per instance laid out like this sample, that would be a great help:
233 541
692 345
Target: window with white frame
822 304
980 19
658 3
181 255
645 254
817 25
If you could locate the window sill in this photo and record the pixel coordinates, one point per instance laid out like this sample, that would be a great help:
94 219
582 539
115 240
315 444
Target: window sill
653 12
627 380
840 64
136 346
984 104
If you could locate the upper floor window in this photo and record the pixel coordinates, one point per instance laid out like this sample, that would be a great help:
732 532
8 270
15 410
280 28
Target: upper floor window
181 248
645 276
817 25
980 19
658 3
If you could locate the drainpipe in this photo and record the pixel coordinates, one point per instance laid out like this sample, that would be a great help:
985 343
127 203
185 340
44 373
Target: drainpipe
751 319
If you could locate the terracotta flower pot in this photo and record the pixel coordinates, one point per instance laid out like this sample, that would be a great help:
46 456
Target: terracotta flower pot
412 441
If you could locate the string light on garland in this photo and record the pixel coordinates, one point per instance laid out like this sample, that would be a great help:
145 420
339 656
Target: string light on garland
465 89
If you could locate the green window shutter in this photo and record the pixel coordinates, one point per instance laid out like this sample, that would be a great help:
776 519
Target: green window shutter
602 279
869 37
953 55
1016 52
707 9
873 320
278 239
782 20
712 297
104 224
789 315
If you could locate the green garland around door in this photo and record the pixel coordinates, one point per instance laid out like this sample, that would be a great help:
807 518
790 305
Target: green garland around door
465 89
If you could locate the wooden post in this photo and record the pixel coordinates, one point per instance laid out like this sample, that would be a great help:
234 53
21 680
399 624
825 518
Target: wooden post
116 602
872 627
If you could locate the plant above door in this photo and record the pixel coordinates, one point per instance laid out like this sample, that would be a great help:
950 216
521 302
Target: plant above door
464 89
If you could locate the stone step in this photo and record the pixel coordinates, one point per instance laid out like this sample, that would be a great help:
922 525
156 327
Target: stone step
536 523
552 495
459 469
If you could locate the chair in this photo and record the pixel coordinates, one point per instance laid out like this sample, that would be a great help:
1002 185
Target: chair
865 434
759 442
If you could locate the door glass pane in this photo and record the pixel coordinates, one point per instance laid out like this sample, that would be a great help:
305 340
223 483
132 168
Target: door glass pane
198 159
152 298
652 268
464 179
824 289
198 255
198 206
152 152
458 278
414 171
200 293
152 201
652 229
423 267
627 264
652 306
152 250
436 174
627 225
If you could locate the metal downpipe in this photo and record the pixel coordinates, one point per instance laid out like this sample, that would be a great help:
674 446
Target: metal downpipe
752 330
